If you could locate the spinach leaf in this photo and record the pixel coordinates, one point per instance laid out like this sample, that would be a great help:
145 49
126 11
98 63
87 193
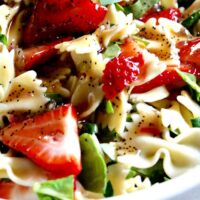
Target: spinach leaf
90 128
191 81
155 173
191 20
3 39
196 122
107 2
57 98
59 189
140 7
109 190
112 51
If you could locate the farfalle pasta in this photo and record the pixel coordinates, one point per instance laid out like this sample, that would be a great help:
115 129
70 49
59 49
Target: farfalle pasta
97 98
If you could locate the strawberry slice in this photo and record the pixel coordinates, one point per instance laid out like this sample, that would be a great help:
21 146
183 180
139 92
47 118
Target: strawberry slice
9 191
122 70
26 59
190 51
51 19
173 14
169 78
49 139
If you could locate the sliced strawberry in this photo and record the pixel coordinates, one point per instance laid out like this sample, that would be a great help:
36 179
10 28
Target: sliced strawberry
169 78
26 59
10 191
173 14
122 70
49 139
190 51
52 19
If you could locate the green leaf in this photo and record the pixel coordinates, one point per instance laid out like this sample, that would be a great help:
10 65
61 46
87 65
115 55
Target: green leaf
112 51
119 7
107 2
173 133
94 171
155 173
141 7
106 135
59 189
109 190
109 107
90 128
195 122
3 39
191 20
190 79
57 98
140 41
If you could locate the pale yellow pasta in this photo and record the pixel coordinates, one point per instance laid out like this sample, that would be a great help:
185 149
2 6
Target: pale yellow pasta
87 95
117 120
169 4
172 118
6 15
163 37
21 170
24 94
153 95
7 70
84 52
190 104
120 184
116 26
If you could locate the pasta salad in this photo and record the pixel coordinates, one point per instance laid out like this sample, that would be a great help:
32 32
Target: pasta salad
98 98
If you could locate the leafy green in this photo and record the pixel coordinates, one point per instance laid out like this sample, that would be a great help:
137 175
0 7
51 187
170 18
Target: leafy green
90 128
107 2
191 81
57 98
3 39
191 20
173 133
141 41
59 189
94 171
196 122
140 7
112 51
109 190
109 107
155 173
129 118
119 7
106 135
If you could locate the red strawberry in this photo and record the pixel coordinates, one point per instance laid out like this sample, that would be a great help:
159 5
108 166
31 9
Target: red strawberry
120 73
10 191
122 70
169 78
49 139
173 14
52 19
190 51
26 59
